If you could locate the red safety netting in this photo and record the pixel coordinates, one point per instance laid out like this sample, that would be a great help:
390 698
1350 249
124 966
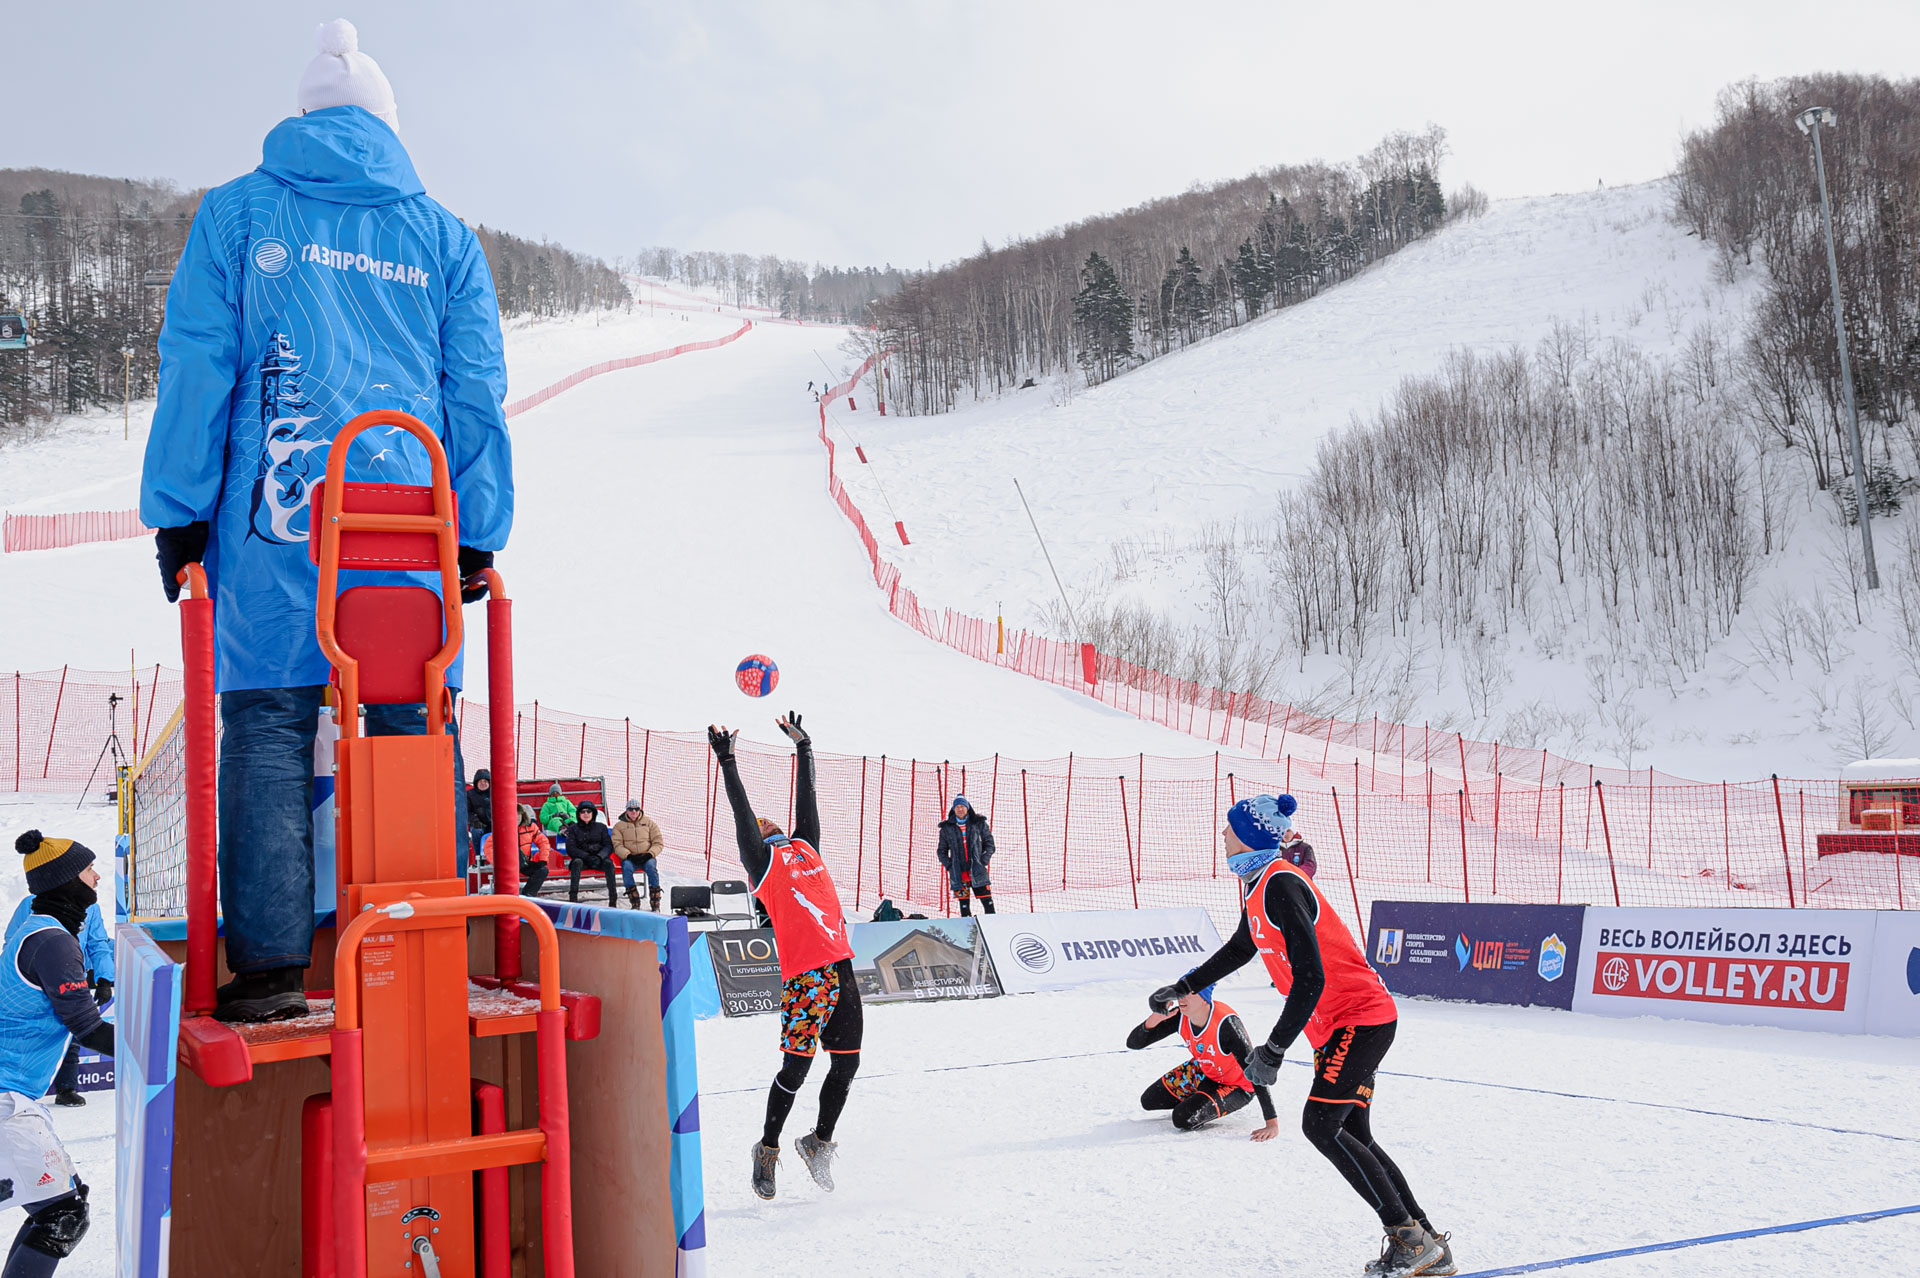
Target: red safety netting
72 528
1083 833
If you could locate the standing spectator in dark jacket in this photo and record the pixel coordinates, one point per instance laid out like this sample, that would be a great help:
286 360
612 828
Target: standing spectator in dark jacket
1298 850
479 810
966 846
589 847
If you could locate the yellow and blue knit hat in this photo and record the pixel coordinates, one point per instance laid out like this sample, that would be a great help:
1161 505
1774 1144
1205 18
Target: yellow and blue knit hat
51 862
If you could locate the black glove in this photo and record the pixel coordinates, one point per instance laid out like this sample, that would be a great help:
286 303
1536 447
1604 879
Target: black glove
790 725
471 562
1263 1066
722 742
102 990
1163 999
176 548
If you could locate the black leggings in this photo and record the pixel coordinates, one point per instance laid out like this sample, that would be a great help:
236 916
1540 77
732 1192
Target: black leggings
1338 1120
1212 1100
786 1086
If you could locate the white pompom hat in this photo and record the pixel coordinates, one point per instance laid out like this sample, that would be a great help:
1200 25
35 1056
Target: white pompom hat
343 76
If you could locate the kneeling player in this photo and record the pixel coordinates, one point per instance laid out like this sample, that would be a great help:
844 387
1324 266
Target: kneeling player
819 1001
1347 1014
46 1002
1214 1083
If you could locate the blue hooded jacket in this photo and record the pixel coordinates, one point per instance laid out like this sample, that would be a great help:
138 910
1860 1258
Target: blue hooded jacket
320 285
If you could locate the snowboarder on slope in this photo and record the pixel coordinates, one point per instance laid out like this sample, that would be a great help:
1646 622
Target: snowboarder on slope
819 1001
1214 1083
1345 1011
46 1002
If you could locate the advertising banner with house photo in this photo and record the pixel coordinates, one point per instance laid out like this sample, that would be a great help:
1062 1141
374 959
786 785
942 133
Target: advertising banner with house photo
922 958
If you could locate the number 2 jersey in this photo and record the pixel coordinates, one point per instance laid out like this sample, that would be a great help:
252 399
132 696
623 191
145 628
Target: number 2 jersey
1353 993
809 927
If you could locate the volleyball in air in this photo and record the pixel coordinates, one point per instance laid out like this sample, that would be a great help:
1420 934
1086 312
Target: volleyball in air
757 675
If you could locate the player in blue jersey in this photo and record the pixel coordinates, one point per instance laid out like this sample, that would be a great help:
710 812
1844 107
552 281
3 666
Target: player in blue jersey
46 1002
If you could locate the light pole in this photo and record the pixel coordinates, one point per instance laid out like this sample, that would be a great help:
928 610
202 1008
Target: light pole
126 395
1810 121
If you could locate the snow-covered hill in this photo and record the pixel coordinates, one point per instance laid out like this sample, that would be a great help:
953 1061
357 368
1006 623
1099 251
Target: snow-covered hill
1133 480
671 519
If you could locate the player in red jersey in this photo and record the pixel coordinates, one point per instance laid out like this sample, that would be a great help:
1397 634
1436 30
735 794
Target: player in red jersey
819 1001
1346 1012
1214 1083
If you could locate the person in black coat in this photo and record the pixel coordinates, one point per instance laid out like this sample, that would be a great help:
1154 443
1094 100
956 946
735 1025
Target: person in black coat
1298 850
966 846
479 811
589 847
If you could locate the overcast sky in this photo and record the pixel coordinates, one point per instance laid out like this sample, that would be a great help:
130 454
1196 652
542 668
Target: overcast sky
907 131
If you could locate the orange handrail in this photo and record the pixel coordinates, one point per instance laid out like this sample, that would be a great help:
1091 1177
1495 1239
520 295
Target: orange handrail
420 911
441 524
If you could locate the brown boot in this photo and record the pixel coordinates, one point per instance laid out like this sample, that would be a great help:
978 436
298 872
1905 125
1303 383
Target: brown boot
633 897
653 898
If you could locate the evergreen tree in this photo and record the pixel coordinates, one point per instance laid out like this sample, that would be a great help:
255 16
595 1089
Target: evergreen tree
1102 319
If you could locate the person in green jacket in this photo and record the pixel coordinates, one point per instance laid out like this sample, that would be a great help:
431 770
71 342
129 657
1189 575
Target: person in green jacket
558 811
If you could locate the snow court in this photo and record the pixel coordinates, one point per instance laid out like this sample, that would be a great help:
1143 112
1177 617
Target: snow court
1004 1136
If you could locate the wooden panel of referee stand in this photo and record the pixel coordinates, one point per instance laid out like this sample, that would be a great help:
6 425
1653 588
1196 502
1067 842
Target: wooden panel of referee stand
238 1191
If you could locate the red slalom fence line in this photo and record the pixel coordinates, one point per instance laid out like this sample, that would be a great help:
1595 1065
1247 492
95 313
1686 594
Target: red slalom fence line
74 528
1225 717
573 379
71 528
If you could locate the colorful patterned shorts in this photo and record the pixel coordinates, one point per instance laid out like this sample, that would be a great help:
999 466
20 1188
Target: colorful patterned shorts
1184 1080
807 1003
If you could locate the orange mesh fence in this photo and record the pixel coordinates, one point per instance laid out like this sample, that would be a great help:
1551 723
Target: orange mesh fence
72 528
1086 833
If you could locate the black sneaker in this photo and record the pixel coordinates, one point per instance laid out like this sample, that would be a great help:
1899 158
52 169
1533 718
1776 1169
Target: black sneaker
279 995
818 1155
1408 1250
765 1160
67 1096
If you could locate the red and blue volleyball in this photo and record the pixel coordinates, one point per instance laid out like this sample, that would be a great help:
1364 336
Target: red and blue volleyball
756 675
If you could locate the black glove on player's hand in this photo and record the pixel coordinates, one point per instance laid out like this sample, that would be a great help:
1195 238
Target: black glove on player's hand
1263 1066
722 742
790 724
1163 999
471 562
102 990
176 548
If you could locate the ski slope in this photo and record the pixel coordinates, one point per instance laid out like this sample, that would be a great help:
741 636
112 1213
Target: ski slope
670 519
1131 481
1217 431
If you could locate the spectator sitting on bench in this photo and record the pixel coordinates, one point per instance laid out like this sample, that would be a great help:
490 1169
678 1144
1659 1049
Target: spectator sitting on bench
636 842
535 848
589 847
557 811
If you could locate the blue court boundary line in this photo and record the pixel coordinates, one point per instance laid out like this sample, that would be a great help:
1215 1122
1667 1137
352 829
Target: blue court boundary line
1799 1226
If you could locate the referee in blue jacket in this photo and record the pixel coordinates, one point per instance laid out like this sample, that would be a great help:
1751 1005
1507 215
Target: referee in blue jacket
321 285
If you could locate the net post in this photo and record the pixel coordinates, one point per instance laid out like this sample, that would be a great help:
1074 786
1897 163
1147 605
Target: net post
202 795
1359 920
504 753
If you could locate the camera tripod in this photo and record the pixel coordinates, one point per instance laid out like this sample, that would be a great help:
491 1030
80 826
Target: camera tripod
110 746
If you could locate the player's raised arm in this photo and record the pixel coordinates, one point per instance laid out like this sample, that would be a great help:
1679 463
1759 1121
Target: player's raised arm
806 805
754 855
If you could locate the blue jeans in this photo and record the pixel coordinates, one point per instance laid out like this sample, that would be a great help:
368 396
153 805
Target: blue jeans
266 818
652 867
